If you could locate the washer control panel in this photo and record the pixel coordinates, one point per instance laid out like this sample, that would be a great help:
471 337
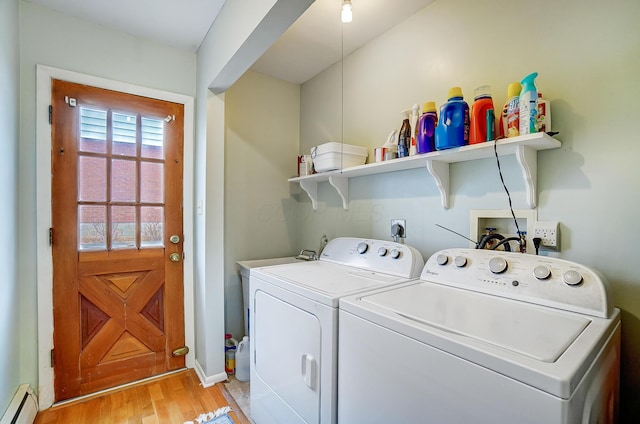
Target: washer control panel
375 255
535 279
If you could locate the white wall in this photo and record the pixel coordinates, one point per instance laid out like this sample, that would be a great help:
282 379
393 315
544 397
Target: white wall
235 40
9 134
91 49
587 53
262 127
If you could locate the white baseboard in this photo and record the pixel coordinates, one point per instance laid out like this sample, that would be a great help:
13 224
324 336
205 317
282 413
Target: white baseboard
23 407
208 381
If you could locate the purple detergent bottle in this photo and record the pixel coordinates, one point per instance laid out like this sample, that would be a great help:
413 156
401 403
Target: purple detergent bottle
426 128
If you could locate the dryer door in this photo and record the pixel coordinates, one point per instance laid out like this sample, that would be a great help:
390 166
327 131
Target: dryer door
287 354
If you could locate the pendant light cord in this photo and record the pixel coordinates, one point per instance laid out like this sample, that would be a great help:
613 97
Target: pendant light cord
341 97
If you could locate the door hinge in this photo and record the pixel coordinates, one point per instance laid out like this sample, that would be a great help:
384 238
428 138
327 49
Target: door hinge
50 114
52 358
50 236
181 351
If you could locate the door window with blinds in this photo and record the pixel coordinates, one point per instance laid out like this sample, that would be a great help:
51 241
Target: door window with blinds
121 180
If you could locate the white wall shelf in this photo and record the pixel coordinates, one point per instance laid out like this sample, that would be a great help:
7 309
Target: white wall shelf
524 147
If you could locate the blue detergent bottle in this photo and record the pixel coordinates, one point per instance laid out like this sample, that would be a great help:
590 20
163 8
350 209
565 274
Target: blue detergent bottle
453 126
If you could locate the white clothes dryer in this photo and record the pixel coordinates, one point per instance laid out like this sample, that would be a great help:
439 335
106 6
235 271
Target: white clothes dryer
294 324
482 337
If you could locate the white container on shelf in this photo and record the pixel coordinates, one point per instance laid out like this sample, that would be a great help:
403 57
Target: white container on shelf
333 155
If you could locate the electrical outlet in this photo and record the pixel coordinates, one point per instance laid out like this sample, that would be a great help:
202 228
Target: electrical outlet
401 230
549 233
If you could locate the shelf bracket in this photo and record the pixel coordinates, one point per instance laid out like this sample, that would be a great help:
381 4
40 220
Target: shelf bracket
528 161
311 187
341 184
440 172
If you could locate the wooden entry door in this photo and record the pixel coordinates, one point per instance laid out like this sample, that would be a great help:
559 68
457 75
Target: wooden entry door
117 238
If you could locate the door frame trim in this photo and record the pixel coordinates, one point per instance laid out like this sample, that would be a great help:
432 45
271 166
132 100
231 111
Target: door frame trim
44 263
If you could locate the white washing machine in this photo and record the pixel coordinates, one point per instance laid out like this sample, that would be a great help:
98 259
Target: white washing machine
294 324
482 337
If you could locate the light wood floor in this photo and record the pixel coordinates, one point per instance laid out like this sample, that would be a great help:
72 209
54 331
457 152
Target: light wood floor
175 398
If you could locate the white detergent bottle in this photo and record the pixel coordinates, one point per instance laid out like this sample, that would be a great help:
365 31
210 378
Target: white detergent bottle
242 360
528 104
415 115
544 114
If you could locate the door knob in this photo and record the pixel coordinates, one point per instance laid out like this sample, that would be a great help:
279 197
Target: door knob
175 239
174 257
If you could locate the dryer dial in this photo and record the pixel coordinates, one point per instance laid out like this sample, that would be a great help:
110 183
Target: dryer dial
572 278
460 261
542 272
442 259
362 248
498 265
395 253
382 251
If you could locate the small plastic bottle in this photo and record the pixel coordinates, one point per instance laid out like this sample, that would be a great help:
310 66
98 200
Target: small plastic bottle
528 104
230 347
490 125
404 136
544 114
453 124
426 128
415 115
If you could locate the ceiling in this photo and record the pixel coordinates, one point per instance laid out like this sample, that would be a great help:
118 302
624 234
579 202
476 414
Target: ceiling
315 36
182 24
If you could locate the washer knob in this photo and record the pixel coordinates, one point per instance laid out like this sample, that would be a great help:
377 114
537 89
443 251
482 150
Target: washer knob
542 272
498 265
382 251
442 259
395 253
460 261
362 247
572 277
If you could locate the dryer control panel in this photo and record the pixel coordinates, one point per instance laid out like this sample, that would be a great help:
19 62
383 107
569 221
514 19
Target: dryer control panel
375 255
541 280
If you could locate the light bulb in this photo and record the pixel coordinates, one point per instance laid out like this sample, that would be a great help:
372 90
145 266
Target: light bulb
346 15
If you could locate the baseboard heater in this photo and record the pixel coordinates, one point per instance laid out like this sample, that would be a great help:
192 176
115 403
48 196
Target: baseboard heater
23 408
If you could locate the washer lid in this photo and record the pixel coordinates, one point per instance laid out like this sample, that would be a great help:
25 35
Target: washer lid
324 281
245 266
539 333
